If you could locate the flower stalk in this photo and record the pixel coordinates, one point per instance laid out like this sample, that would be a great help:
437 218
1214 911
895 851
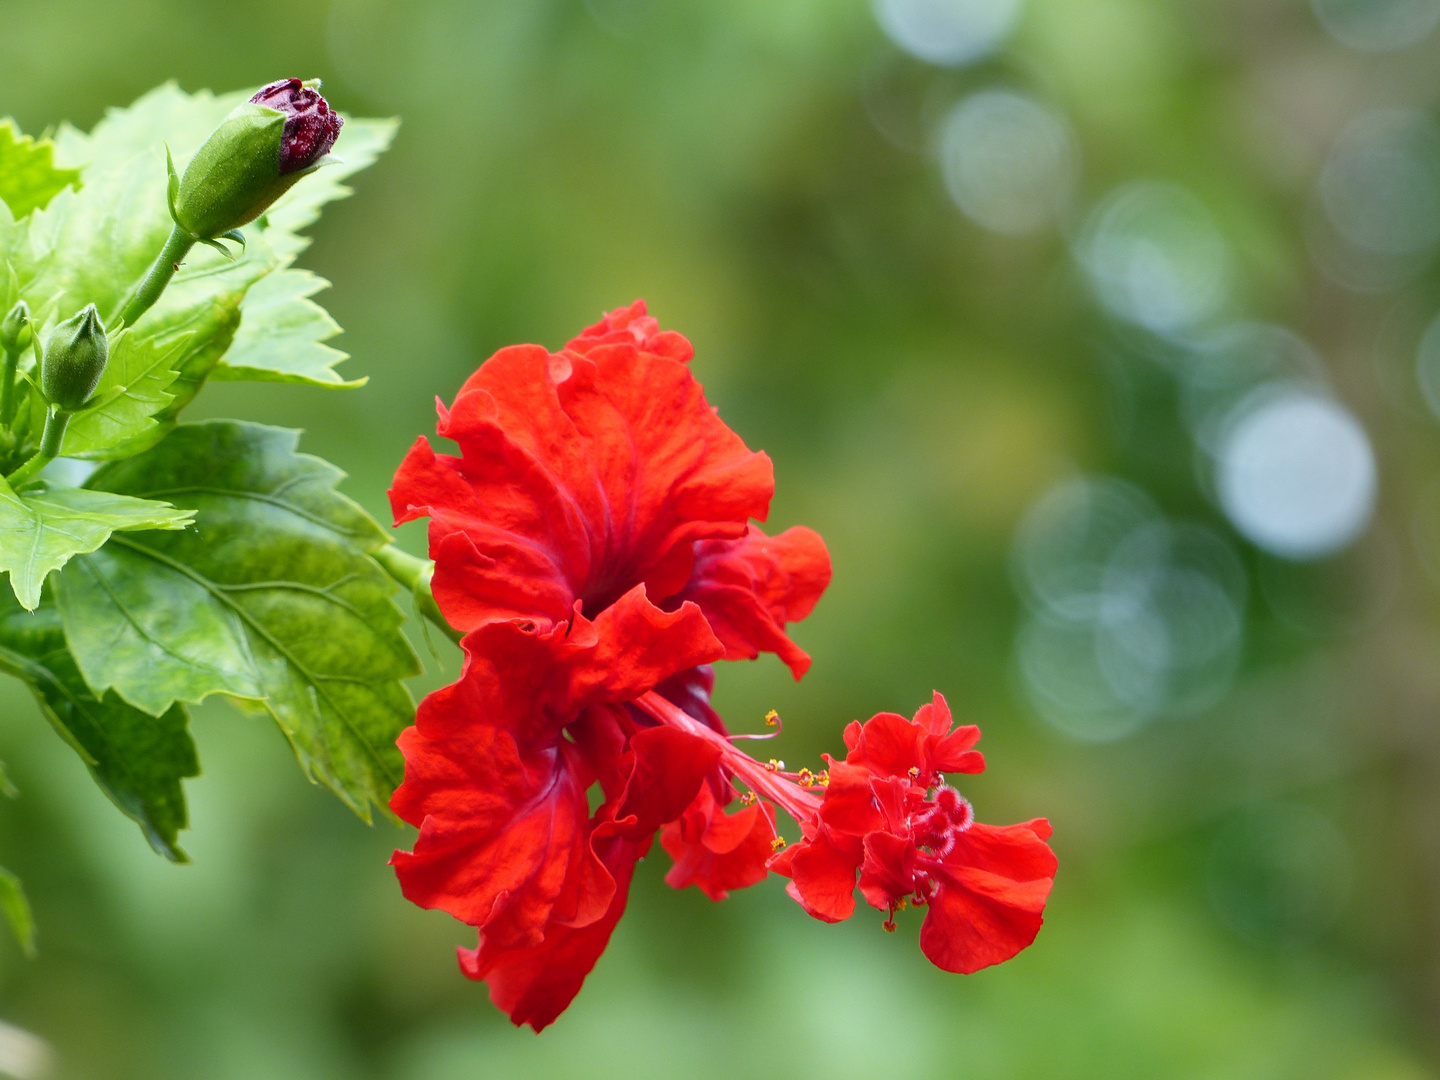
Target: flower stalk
56 421
147 290
415 574
15 333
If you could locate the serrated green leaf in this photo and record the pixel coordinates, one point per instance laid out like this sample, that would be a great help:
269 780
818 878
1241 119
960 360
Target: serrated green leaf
138 760
282 335
272 599
139 373
164 114
17 911
28 176
41 530
92 245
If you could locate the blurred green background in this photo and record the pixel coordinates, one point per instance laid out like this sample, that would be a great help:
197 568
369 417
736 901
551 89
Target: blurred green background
1093 335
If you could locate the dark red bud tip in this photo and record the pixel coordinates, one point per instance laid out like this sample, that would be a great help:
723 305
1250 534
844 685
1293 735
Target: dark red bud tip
311 126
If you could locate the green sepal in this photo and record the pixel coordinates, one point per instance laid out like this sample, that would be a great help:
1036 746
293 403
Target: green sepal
218 246
172 185
75 356
235 176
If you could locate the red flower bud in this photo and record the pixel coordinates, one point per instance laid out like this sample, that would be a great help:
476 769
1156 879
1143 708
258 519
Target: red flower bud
256 154
311 126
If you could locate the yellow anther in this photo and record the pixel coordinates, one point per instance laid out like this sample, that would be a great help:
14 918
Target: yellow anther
902 905
777 843
914 772
775 766
747 799
772 718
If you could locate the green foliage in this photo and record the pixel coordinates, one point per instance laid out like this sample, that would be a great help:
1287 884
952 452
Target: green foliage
41 530
272 599
28 176
137 759
17 911
285 339
90 246
134 388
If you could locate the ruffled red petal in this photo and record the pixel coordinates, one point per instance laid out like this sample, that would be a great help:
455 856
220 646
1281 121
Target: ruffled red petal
669 770
579 478
500 798
632 326
716 851
502 834
822 874
751 587
849 805
534 984
991 899
892 745
888 872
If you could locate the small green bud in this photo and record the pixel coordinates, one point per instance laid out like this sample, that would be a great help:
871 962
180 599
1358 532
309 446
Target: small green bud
75 356
253 158
15 329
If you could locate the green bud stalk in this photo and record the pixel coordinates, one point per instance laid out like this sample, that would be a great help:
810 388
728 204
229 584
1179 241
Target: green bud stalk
16 333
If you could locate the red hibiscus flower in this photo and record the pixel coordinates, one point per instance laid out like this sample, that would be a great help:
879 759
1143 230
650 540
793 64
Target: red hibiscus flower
593 538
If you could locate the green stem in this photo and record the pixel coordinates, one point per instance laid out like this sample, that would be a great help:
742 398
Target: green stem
415 575
148 289
7 387
56 421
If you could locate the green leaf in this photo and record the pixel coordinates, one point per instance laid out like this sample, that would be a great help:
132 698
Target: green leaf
28 176
141 371
17 911
138 760
164 114
282 335
91 245
41 530
273 599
